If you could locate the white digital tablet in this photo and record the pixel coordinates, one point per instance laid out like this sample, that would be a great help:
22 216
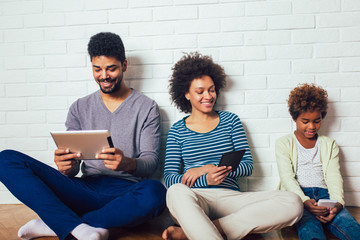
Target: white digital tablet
88 143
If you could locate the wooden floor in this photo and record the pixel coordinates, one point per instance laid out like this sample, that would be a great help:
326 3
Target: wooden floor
13 216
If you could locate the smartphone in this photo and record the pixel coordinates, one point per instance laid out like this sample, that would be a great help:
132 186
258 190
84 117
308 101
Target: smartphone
232 159
327 203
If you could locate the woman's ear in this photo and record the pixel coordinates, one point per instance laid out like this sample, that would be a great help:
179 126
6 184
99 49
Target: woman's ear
187 96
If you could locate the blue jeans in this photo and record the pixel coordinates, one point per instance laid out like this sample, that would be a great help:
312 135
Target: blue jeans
65 202
343 226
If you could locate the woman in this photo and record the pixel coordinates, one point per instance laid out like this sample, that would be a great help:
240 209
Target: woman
203 198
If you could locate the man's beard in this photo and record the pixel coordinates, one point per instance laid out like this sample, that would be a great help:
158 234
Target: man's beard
112 89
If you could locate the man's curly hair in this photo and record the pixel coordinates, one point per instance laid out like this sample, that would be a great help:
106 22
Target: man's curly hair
191 66
307 98
106 44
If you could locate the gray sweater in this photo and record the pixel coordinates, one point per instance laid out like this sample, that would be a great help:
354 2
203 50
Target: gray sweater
134 127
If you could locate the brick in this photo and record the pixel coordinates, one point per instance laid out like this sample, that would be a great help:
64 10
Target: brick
243 24
67 89
22 8
352 199
138 72
261 126
338 80
151 57
65 33
12 49
291 22
330 124
77 46
266 96
347 109
43 130
25 90
221 10
190 2
346 139
24 35
267 8
319 6
337 50
259 141
44 20
350 94
351 125
163 100
176 41
131 15
12 130
246 82
28 144
151 29
51 6
105 4
150 86
220 40
262 184
13 104
175 13
333 94
262 170
350 169
197 26
47 103
350 64
43 48
349 154
267 67
351 34
2 91
289 52
167 113
8 22
120 29
24 62
86 18
347 19
231 97
242 53
278 110
139 43
315 66
58 61
58 116
212 52
351 5
316 36
162 71
45 75
289 81
26 117
146 3
267 38
83 73
247 111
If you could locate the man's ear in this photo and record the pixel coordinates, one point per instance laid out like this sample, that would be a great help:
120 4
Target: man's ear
124 65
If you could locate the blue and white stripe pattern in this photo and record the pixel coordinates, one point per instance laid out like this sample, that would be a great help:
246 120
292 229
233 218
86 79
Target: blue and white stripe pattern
190 149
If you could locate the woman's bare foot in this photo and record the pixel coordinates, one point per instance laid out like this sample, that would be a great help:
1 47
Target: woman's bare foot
174 233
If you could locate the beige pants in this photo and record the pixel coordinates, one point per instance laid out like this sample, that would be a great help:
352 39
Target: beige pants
239 213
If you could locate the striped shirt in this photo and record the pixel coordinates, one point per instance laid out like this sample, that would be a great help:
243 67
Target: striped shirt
186 149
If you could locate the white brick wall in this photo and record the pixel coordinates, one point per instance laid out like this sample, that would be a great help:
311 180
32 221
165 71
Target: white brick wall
266 47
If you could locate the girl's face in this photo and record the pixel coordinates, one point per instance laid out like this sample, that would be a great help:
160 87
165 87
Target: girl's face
202 94
308 124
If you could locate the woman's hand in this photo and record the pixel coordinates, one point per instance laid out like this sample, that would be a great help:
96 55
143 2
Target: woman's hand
189 178
333 212
311 206
217 175
115 160
65 161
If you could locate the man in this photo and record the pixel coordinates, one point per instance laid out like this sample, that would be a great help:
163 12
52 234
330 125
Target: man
110 192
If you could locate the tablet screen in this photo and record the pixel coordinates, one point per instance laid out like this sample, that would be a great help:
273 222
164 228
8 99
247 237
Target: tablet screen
232 159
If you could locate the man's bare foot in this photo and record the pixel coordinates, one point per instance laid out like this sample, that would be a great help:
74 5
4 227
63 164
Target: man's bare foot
174 233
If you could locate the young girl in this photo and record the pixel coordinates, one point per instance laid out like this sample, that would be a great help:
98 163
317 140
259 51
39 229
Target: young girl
308 165
204 199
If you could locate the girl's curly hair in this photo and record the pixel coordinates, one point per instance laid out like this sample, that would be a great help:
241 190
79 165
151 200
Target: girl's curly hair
307 98
191 66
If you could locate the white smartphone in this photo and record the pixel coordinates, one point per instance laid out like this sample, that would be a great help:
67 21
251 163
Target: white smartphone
327 203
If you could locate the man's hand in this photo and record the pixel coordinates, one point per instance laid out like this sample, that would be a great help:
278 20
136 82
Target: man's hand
189 178
217 175
115 160
311 206
333 212
65 161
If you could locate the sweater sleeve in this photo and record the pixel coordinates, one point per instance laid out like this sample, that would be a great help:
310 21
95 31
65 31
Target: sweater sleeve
286 168
148 159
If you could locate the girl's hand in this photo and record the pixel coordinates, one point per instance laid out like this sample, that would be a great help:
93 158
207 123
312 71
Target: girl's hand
217 175
311 206
189 178
333 212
